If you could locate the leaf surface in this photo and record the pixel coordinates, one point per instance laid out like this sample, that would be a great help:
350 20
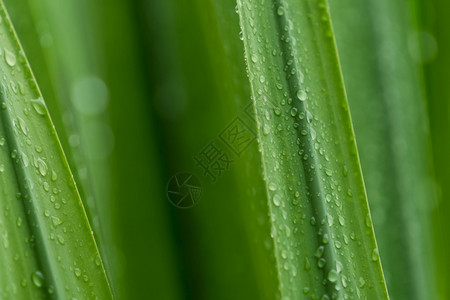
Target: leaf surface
48 247
321 226
376 40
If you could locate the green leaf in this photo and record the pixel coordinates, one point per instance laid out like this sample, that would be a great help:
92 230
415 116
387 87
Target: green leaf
376 40
211 237
48 247
55 38
436 27
322 232
145 262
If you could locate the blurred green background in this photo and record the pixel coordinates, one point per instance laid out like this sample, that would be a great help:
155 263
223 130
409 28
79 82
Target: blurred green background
138 89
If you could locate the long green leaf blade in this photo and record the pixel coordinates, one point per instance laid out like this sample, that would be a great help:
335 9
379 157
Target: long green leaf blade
436 25
147 264
389 113
57 37
211 236
309 155
48 247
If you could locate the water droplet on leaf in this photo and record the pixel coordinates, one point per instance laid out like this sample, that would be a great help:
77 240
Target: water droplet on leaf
37 278
10 58
39 106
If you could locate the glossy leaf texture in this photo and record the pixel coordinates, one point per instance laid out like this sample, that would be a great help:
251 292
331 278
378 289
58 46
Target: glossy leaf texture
321 226
58 47
135 237
48 250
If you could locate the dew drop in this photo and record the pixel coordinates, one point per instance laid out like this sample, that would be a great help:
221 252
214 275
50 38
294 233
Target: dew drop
38 149
54 175
39 106
23 126
349 193
276 200
333 276
280 11
301 95
10 58
375 255
362 282
294 111
272 186
277 111
307 265
98 260
38 279
42 166
330 220
313 133
319 251
56 221
77 272
321 263
24 159
339 266
60 239
368 221
345 171
309 116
